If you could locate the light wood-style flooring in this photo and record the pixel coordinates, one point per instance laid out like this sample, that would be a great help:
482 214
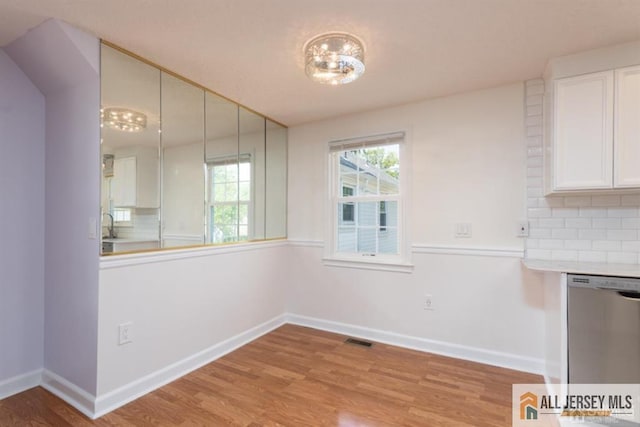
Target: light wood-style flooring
296 376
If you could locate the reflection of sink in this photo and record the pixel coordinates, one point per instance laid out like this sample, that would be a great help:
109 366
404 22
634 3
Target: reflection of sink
120 244
107 247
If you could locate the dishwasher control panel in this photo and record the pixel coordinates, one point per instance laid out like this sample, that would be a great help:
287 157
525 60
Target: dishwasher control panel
627 284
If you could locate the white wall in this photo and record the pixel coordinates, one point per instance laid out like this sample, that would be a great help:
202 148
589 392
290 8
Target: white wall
22 215
182 307
63 63
467 156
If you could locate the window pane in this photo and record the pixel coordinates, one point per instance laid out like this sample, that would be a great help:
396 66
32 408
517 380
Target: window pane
390 214
367 240
347 239
388 240
243 214
367 212
346 213
245 190
368 182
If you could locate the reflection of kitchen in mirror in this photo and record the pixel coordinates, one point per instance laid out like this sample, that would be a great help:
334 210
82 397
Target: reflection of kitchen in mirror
130 137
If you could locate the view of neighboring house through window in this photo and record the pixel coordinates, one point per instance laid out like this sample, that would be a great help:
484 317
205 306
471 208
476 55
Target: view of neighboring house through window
367 195
229 199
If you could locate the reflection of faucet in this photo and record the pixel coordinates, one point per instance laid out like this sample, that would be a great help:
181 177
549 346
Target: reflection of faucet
112 233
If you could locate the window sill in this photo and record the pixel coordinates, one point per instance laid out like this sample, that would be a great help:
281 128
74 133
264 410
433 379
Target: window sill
380 265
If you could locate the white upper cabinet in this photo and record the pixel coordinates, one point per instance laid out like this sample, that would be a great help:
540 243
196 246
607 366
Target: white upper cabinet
583 137
123 185
627 127
595 132
135 180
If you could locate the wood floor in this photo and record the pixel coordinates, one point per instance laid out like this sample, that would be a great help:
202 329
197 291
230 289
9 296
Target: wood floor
297 376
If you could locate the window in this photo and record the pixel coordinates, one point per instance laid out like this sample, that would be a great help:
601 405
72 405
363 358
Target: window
122 217
230 203
366 199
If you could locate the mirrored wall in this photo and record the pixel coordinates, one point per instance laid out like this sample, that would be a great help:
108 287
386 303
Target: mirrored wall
183 166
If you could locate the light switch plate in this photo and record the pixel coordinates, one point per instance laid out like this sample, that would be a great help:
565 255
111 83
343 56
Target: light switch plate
463 230
523 228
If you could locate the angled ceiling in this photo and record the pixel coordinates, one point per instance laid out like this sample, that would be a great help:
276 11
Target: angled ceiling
251 50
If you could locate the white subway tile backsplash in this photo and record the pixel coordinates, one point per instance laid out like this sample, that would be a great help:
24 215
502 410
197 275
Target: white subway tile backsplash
608 223
586 228
593 213
535 161
605 201
631 223
577 222
534 181
551 223
534 100
622 258
606 245
564 233
592 256
622 235
534 152
551 202
564 255
592 234
534 110
540 233
581 245
550 244
565 212
534 130
622 212
631 246
535 172
533 243
534 141
540 213
577 201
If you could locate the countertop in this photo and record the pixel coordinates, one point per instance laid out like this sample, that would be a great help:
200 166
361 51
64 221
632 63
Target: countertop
119 240
598 269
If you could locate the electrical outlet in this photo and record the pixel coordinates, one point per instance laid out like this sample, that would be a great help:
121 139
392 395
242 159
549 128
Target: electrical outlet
125 333
523 228
428 302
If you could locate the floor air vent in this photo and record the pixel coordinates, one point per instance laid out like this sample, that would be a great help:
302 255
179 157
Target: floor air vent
361 343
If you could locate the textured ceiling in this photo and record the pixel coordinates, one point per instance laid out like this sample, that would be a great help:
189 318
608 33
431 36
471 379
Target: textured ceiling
251 50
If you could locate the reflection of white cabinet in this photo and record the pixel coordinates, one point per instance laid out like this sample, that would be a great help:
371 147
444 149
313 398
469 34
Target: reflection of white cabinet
124 183
135 180
596 125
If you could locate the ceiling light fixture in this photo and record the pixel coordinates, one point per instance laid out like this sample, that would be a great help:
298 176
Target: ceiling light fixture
334 58
123 119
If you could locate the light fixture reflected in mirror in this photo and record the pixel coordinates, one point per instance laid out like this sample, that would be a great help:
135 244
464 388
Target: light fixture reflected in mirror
334 58
123 119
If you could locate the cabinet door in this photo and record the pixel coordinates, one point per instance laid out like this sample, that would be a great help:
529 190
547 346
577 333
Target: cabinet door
627 128
583 132
123 186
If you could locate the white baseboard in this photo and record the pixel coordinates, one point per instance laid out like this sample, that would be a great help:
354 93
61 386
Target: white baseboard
69 392
20 383
114 399
489 357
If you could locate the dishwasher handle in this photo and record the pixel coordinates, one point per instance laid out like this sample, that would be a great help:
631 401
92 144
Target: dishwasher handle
634 296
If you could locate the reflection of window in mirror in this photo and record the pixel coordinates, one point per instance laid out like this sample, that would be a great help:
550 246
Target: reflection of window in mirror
230 200
122 217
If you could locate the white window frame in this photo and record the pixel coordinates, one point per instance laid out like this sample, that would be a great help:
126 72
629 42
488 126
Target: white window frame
400 262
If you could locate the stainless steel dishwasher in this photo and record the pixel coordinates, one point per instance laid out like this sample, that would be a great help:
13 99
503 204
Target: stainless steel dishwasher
604 329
